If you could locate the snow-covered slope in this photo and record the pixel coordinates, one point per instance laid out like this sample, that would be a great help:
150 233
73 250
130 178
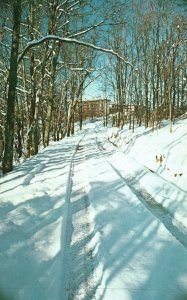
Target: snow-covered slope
161 151
75 225
34 204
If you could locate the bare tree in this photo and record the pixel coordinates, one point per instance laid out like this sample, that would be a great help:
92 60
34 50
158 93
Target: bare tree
9 133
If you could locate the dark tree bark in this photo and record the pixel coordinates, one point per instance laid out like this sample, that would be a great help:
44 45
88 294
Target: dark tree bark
9 131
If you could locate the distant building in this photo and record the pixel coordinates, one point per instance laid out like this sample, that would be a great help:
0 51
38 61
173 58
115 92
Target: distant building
126 109
95 108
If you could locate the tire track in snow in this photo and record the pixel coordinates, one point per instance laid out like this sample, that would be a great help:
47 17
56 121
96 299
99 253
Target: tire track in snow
81 238
67 228
161 213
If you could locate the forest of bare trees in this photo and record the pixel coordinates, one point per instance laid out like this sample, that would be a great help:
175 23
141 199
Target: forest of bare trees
49 52
155 43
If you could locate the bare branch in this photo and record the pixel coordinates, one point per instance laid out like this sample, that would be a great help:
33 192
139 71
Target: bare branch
85 30
70 41
72 5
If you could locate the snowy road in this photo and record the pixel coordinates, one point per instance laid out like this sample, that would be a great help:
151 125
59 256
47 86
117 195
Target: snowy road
82 221
133 254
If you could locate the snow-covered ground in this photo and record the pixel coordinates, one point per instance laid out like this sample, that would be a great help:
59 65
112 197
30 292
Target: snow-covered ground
85 220
162 152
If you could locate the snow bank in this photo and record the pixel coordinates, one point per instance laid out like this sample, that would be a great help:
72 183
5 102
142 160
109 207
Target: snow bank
137 256
159 161
33 217
160 151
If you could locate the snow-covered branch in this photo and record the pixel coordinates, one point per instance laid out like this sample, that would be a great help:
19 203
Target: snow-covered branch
5 45
85 30
22 90
72 5
71 41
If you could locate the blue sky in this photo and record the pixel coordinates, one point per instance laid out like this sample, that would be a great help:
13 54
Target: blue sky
94 89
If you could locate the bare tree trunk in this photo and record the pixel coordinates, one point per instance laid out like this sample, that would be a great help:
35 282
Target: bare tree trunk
51 97
9 132
146 100
81 113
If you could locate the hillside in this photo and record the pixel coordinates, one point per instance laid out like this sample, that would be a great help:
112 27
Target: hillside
160 151
83 220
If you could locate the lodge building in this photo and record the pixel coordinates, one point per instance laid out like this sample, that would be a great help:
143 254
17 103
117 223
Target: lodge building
96 108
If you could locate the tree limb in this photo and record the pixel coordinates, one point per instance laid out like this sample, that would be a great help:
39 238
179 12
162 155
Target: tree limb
70 41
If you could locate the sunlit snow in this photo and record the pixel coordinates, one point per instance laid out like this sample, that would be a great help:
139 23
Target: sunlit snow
96 216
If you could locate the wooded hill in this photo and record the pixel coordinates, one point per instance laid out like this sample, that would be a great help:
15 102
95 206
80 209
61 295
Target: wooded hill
51 51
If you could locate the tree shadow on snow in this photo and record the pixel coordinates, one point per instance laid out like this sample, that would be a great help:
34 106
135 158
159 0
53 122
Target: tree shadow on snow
27 245
140 262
